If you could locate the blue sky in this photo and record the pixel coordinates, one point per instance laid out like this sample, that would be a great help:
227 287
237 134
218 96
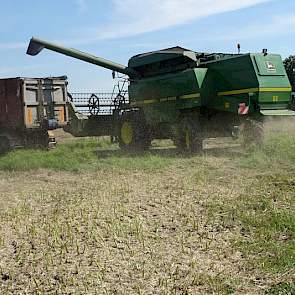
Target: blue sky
118 29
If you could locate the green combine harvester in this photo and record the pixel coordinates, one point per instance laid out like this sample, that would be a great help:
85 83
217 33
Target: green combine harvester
188 96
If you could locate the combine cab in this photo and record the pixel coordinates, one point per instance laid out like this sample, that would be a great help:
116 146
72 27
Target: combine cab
187 96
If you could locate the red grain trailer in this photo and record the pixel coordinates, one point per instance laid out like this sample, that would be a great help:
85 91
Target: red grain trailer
29 108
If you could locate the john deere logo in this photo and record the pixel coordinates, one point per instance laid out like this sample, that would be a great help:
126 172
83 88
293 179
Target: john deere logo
270 66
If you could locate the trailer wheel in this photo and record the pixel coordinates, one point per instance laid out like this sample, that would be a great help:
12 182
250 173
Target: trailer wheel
133 132
4 145
253 133
189 137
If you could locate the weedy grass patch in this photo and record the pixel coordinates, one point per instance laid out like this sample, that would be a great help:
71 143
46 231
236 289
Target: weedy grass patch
265 207
268 235
282 289
97 220
72 156
262 217
278 151
85 155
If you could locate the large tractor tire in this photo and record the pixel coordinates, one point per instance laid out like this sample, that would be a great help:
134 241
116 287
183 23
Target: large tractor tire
4 145
253 133
189 137
133 132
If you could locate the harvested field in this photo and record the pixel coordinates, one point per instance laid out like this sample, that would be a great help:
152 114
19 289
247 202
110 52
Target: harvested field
88 219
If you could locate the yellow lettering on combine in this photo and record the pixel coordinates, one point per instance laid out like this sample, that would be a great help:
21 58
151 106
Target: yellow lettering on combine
275 98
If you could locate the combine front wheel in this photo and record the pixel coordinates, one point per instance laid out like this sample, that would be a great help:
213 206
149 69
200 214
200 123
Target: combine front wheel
133 132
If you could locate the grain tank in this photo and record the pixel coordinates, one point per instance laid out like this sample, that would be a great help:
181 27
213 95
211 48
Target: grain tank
187 96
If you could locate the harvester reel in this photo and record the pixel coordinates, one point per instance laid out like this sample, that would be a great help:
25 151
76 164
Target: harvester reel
93 104
118 101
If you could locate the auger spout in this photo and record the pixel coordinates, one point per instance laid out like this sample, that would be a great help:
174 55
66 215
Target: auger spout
37 45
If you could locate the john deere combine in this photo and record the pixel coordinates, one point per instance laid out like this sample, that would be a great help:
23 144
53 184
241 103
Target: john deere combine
186 96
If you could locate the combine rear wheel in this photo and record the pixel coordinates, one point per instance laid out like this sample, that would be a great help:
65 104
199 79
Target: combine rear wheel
133 132
189 135
253 133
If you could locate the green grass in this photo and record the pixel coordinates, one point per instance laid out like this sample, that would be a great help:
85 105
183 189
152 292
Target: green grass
84 155
66 157
157 222
265 218
93 154
278 151
269 234
281 288
264 209
266 212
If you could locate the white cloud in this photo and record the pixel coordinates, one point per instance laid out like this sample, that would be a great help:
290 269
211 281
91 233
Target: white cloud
135 17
